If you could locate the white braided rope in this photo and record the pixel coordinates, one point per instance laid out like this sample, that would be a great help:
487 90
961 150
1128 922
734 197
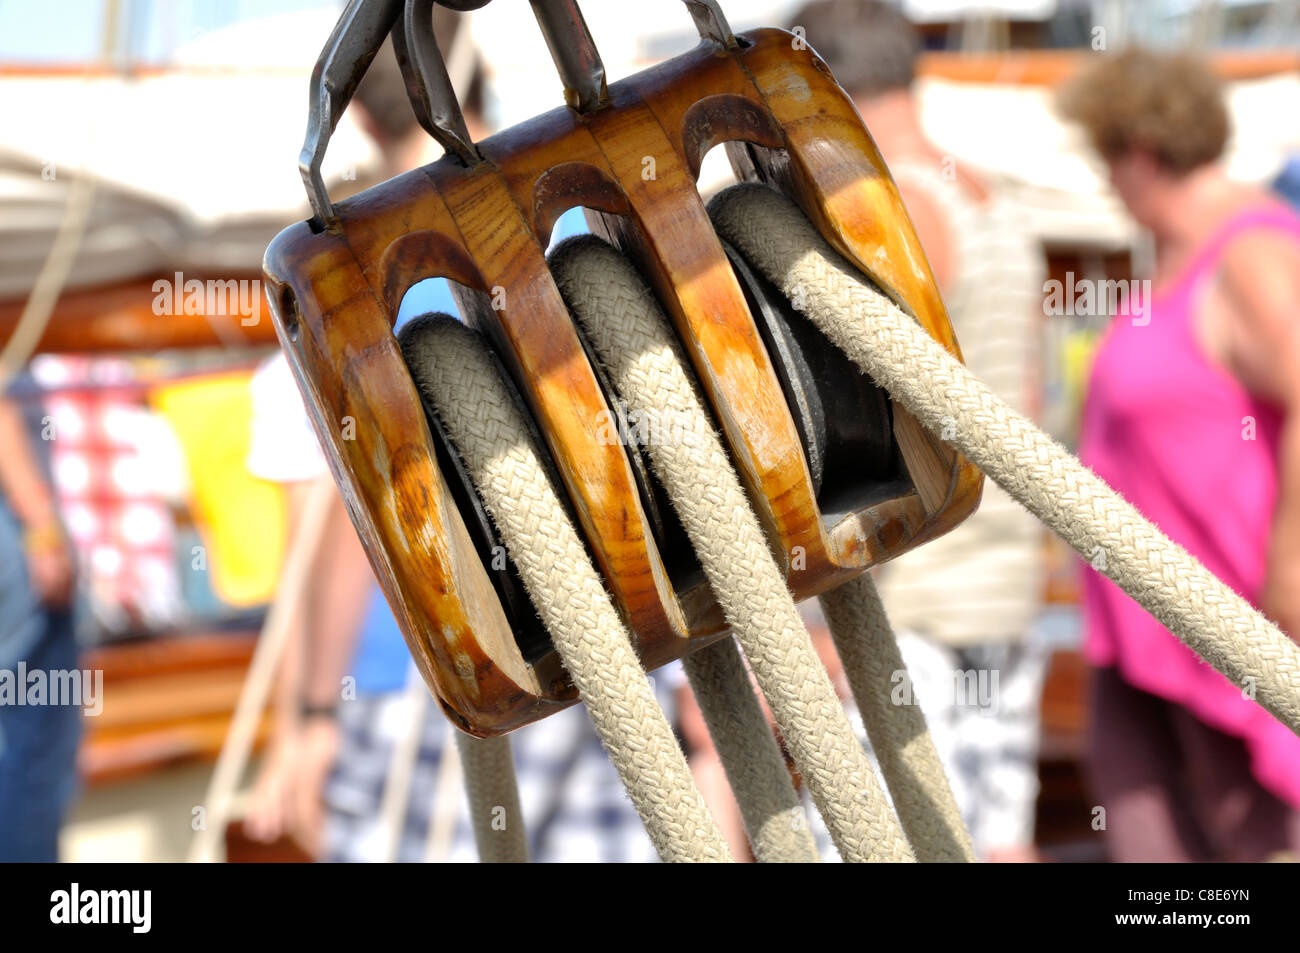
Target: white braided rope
630 333
451 367
908 759
1050 482
769 805
493 796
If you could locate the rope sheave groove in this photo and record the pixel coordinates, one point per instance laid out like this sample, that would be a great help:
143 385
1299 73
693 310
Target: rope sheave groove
631 335
454 372
895 350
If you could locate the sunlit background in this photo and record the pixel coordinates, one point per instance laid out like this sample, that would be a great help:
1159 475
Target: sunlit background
163 136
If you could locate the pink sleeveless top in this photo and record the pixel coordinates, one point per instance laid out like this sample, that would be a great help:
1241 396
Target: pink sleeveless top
1197 454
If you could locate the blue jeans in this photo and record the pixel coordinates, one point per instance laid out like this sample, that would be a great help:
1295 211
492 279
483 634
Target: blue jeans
38 743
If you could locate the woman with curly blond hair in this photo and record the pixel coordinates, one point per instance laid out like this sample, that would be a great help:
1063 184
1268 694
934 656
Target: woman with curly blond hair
1191 414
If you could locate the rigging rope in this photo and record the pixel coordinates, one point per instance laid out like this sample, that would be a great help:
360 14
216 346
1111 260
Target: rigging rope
904 750
895 350
451 367
630 333
493 795
770 807
635 343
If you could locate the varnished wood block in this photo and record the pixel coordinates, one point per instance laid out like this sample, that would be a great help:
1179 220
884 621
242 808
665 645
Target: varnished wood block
336 290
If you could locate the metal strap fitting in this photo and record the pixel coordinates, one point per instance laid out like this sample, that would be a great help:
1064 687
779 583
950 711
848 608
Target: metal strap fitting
361 31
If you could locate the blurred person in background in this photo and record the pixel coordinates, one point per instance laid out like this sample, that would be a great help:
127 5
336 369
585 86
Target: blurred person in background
1189 414
323 781
322 646
706 764
38 741
965 602
1287 183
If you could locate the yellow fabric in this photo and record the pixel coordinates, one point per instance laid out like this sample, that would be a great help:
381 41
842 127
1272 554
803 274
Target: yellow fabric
240 518
1077 352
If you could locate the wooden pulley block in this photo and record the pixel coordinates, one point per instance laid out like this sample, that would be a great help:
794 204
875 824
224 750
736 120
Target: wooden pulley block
840 477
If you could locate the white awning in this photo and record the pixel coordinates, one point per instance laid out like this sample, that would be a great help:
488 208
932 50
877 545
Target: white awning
197 167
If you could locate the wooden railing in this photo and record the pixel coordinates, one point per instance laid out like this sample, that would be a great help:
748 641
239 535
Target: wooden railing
167 701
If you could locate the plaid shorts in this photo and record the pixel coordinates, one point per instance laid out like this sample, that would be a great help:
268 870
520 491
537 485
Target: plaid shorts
574 805
988 742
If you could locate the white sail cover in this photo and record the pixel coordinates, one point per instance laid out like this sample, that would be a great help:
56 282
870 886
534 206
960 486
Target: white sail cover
195 166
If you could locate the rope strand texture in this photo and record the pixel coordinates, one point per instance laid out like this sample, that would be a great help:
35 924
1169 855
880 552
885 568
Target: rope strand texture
769 805
1096 521
899 736
451 367
493 795
630 333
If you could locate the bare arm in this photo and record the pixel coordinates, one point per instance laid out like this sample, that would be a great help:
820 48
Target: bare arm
1260 285
343 583
23 485
1281 599
287 798
21 479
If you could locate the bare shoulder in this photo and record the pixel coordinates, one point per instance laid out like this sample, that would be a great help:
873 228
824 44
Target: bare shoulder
1263 248
1259 277
1260 271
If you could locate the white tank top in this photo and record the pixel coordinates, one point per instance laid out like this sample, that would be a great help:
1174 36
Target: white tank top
982 582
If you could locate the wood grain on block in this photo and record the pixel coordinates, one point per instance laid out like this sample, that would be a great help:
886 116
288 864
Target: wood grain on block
335 291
